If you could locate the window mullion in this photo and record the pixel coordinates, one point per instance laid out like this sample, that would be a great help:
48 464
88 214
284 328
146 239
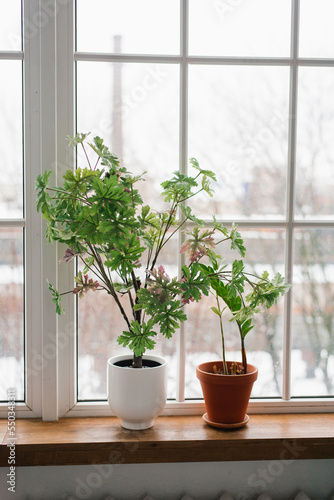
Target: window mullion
32 224
181 346
48 137
65 161
286 389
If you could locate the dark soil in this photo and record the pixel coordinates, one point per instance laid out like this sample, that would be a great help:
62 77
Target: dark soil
147 363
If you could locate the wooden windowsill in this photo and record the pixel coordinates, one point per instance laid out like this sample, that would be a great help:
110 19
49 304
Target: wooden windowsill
101 440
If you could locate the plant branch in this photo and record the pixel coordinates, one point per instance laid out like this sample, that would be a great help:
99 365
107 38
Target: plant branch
83 147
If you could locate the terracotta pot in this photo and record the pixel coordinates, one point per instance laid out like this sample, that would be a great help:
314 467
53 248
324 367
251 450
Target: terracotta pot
226 397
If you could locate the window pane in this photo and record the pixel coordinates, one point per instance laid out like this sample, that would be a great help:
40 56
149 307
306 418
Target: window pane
11 312
10 25
315 155
238 28
11 199
313 319
265 251
316 18
135 108
146 27
238 119
100 323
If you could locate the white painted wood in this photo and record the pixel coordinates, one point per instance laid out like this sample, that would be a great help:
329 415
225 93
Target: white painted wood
183 165
65 161
11 55
289 245
34 232
48 146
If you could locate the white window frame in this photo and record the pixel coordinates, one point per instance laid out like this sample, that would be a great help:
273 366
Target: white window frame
49 99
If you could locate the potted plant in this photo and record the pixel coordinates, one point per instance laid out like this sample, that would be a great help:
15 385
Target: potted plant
99 214
227 385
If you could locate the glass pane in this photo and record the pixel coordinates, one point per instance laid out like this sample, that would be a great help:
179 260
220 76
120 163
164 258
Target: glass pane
238 120
265 251
10 25
316 18
145 27
313 319
236 28
135 108
11 312
11 198
100 323
315 154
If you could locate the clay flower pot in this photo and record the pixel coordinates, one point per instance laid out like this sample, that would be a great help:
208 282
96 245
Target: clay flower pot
226 397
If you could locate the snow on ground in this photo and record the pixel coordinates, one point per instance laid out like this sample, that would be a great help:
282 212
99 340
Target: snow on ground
94 384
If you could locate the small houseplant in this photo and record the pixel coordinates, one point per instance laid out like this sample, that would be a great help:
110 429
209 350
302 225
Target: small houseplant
226 384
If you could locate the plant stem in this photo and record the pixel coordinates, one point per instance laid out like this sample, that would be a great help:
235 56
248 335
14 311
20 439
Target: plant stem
83 147
97 162
109 284
243 350
225 369
162 240
70 196
137 361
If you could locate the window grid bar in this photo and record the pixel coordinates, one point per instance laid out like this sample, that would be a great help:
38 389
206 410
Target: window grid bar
178 59
286 388
145 58
204 60
272 224
14 55
12 222
260 61
181 351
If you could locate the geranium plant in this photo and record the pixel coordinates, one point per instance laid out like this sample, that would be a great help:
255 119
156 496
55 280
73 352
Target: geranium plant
99 214
242 293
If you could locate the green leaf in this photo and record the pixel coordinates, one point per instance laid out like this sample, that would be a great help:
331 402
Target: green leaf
169 318
177 188
126 258
139 339
78 139
160 293
56 299
207 173
237 242
44 202
190 216
246 327
216 311
195 283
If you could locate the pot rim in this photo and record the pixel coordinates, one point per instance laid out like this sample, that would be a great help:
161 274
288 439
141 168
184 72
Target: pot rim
122 357
203 374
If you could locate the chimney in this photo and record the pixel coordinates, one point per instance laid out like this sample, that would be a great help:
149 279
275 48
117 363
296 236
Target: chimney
117 132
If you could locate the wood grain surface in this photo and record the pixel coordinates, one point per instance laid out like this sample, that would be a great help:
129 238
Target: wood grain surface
76 441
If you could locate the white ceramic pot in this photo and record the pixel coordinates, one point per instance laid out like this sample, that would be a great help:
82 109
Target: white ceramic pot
137 395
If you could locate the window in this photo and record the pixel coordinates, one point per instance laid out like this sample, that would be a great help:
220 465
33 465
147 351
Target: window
12 213
242 87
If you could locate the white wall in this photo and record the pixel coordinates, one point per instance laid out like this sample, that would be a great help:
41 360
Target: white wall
200 481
